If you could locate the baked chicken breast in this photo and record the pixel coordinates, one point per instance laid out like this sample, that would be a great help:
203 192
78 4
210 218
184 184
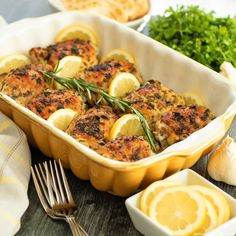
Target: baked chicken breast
126 148
179 122
53 53
50 101
102 74
152 99
93 128
24 83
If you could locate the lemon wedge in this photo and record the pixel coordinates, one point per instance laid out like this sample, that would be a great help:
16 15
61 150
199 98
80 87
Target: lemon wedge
68 66
122 84
180 210
151 191
193 98
9 62
128 125
62 118
118 54
217 200
76 31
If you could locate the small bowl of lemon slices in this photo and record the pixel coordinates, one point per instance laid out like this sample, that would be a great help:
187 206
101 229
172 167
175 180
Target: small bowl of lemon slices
183 204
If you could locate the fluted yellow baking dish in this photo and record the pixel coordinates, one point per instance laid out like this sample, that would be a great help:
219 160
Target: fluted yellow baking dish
154 61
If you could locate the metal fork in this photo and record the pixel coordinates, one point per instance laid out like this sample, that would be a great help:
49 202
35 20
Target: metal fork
55 195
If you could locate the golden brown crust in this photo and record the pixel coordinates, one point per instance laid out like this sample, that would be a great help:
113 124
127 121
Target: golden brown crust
152 99
93 128
126 148
102 74
109 8
24 83
53 53
135 8
120 10
179 122
50 101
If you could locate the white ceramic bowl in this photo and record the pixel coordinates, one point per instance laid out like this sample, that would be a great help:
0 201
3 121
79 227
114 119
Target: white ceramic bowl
148 227
134 24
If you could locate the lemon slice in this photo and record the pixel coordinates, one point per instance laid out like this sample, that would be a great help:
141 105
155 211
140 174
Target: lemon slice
151 191
76 31
128 124
68 66
9 62
118 54
180 210
210 221
217 200
122 84
62 118
193 98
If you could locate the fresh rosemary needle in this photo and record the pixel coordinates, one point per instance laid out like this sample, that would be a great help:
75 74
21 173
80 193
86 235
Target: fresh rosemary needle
81 85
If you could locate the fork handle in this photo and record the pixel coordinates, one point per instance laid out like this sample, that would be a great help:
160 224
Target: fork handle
76 228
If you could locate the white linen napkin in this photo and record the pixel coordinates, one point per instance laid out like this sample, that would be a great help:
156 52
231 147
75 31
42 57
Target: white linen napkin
2 21
15 161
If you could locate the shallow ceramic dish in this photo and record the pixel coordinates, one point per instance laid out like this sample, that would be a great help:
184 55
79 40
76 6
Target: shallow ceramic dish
154 61
148 227
134 24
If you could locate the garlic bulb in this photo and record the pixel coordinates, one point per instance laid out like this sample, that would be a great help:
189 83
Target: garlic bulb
222 163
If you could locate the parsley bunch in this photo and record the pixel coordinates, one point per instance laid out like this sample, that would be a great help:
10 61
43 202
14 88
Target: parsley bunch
201 36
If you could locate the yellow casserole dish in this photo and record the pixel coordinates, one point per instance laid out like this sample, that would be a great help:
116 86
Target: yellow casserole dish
154 61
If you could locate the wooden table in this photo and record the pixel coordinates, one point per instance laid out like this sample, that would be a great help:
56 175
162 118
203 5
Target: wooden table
98 212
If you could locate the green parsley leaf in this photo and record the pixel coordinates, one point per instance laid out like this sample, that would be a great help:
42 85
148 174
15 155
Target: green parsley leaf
197 34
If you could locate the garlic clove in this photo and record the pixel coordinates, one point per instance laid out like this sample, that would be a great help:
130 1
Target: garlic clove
228 71
222 162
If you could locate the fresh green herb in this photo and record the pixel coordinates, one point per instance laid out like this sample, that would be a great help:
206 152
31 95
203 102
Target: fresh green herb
83 86
201 36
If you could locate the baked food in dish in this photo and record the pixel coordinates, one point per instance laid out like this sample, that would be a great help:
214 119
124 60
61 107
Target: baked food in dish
152 99
120 10
126 148
53 53
102 74
49 101
169 117
93 128
178 122
154 62
24 83
135 8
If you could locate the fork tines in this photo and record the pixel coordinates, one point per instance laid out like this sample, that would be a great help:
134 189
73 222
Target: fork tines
55 195
51 183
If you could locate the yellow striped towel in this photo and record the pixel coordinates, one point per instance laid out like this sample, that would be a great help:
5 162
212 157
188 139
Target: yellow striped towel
15 161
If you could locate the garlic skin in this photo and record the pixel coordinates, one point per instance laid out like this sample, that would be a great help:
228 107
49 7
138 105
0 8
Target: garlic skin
222 162
228 71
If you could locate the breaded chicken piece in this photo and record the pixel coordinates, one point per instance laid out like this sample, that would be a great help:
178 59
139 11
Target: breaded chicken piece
53 53
24 83
126 148
50 101
2 79
152 99
179 122
102 74
93 128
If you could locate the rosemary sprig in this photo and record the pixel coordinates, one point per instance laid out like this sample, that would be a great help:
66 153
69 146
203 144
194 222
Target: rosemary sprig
81 85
